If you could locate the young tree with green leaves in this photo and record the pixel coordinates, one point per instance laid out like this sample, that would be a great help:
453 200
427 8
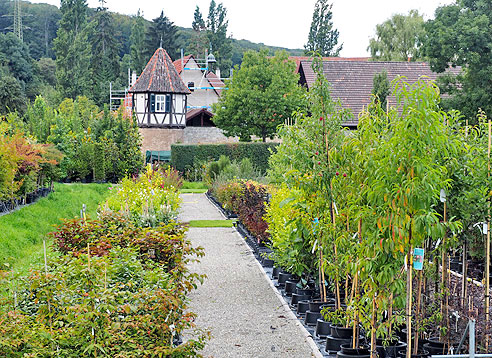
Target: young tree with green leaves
381 88
262 94
162 32
323 38
398 38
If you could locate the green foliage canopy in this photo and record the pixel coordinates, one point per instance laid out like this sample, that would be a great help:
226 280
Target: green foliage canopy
398 38
323 38
262 94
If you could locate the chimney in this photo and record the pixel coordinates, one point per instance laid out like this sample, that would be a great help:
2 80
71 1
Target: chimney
134 77
217 72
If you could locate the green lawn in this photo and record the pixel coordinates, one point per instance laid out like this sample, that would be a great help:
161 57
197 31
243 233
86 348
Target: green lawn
211 223
194 185
22 232
193 191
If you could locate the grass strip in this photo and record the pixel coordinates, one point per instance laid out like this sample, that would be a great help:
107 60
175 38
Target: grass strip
193 191
211 223
194 185
22 231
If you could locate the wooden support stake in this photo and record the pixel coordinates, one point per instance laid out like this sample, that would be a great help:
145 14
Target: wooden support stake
409 304
373 329
418 313
487 250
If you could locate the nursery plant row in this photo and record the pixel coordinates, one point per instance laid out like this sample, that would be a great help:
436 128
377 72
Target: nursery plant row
366 221
116 285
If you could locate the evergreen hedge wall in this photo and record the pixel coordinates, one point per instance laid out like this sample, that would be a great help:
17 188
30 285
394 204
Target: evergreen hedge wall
185 157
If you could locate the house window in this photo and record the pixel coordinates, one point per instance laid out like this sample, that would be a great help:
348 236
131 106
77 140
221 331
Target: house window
160 103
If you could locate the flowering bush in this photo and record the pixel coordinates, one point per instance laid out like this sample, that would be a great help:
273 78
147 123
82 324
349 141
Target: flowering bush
148 200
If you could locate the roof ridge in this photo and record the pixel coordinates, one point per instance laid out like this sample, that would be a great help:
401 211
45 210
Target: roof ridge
167 70
153 69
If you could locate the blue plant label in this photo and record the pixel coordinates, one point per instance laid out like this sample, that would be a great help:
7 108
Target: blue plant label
315 225
418 259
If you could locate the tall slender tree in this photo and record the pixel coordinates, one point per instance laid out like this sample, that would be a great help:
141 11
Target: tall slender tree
323 38
163 33
220 44
106 64
73 50
199 40
137 47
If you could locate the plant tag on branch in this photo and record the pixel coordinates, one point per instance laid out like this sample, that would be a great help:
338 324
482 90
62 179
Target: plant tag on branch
484 228
418 259
314 246
437 243
335 207
442 196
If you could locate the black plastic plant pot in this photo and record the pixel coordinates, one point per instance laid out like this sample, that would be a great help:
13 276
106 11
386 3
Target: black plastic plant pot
302 291
361 350
315 306
283 278
311 318
296 298
302 307
322 328
420 354
275 272
333 343
390 349
267 262
290 287
342 332
434 348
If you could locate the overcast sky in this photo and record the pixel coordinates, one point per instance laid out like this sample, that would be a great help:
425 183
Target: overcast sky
282 23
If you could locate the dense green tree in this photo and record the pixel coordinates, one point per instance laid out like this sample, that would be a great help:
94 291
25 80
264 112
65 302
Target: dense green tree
461 35
47 70
262 94
12 97
73 50
398 38
220 44
14 54
323 38
199 40
381 88
105 65
162 32
137 40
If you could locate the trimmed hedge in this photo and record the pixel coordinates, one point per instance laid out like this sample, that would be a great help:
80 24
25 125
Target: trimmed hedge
184 156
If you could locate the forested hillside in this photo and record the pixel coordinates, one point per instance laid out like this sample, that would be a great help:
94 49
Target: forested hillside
41 24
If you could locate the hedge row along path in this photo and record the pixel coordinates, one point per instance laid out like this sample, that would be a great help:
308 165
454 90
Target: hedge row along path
236 303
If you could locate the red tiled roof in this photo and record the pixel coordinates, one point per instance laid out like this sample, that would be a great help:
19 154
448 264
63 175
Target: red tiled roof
352 81
215 82
160 76
299 59
179 65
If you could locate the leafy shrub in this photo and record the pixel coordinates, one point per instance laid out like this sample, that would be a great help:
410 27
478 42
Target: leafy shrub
171 178
148 200
246 199
186 157
111 306
224 170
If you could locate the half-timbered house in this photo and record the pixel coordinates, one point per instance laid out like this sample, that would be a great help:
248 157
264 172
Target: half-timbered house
159 95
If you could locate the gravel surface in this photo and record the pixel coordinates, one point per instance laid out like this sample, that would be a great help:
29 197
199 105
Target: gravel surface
236 302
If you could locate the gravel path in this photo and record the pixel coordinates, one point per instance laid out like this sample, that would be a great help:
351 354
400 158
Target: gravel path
236 302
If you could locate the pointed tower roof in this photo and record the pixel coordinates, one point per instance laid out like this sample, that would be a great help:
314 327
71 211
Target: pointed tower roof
160 76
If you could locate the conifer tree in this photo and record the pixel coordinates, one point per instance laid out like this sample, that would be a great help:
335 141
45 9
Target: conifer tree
137 40
163 33
73 50
106 64
217 24
323 38
199 40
